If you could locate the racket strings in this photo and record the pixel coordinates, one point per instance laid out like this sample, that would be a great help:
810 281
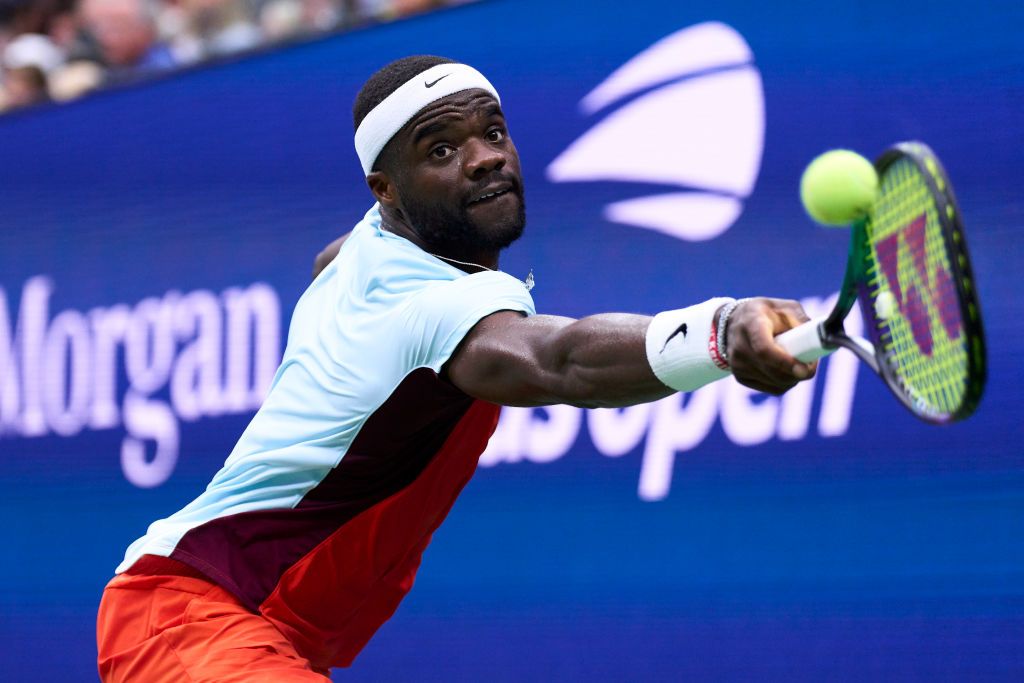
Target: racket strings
923 340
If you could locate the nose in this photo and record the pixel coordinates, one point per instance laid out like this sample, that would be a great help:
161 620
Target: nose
481 159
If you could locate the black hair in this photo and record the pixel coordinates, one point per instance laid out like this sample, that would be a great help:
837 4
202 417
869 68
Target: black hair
388 79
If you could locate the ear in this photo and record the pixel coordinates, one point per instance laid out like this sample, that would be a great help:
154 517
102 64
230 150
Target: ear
384 189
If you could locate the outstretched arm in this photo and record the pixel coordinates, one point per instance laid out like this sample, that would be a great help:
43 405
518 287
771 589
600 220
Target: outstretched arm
602 360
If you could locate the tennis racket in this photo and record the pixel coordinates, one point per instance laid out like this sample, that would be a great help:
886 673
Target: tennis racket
909 268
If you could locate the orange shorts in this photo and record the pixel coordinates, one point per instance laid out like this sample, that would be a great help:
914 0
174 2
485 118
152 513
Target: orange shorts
162 621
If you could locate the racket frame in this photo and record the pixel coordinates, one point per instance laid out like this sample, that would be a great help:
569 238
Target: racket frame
831 331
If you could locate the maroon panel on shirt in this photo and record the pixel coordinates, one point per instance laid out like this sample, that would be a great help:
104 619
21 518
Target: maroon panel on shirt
331 602
247 553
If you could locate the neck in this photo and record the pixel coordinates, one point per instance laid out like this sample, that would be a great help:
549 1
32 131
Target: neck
394 221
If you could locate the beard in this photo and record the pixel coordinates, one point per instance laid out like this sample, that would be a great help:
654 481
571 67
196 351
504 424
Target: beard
451 231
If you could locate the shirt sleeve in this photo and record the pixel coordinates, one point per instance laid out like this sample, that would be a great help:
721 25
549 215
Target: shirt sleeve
441 315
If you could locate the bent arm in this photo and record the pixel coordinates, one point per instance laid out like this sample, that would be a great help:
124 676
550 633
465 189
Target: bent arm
601 360
324 258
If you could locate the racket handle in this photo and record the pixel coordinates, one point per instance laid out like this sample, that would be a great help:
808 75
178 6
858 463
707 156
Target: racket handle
803 342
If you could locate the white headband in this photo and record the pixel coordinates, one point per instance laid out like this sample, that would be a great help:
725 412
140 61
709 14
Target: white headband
398 108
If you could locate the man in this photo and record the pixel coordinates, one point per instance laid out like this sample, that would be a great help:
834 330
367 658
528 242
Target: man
398 357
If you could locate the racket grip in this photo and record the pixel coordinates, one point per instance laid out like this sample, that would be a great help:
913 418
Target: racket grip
803 342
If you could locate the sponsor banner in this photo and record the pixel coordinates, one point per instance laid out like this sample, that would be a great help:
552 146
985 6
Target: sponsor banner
212 354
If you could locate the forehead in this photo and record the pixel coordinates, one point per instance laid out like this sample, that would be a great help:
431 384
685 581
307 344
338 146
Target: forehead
451 109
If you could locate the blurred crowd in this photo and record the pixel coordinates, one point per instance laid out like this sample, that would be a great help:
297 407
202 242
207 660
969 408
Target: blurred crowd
57 50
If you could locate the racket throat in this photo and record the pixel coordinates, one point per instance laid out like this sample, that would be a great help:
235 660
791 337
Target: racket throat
862 348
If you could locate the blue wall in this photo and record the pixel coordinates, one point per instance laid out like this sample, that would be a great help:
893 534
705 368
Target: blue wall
829 536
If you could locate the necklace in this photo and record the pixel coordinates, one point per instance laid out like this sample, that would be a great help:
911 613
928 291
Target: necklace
528 282
461 263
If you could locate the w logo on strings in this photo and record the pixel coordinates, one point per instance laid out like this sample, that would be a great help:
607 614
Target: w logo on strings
922 291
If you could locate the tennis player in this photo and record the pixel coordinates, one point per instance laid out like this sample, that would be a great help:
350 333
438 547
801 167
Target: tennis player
399 355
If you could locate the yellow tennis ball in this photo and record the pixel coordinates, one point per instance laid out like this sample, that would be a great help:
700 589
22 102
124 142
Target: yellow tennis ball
838 187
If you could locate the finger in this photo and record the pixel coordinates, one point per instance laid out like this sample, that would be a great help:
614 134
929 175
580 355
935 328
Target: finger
794 315
756 357
812 368
774 362
797 369
789 313
755 384
763 387
752 373
756 363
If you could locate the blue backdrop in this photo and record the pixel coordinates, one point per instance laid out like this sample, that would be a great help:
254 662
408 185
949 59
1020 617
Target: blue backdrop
153 241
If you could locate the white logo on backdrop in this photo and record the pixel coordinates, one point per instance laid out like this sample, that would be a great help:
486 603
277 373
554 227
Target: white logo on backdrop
690 114
210 354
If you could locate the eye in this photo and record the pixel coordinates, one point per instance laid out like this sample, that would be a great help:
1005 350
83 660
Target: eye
442 151
495 135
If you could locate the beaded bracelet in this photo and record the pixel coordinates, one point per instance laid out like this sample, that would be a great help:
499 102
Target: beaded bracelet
723 328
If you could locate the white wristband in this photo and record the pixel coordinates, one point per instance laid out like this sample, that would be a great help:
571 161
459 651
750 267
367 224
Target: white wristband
677 346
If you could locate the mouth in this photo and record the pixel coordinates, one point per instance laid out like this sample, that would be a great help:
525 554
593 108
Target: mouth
491 193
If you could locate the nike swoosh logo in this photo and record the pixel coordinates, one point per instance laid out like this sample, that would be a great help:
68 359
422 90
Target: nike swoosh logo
682 328
433 83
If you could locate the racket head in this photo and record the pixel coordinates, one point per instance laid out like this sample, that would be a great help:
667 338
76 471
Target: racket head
911 254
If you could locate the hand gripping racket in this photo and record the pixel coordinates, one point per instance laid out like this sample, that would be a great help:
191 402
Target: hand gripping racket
908 266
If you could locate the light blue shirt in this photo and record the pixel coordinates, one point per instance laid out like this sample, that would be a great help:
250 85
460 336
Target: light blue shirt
382 309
